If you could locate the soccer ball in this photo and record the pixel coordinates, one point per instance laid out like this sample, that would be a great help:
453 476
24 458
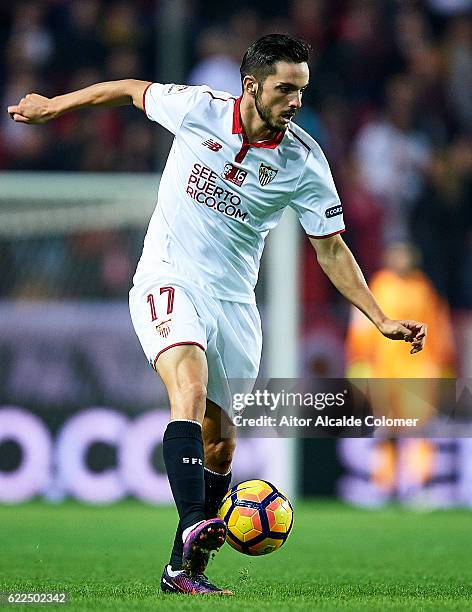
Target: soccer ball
258 516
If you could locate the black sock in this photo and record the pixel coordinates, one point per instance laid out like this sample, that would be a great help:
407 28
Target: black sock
183 455
216 487
177 550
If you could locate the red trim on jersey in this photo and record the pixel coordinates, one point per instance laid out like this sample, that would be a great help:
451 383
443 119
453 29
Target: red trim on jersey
238 128
237 123
189 342
327 235
144 97
242 153
216 97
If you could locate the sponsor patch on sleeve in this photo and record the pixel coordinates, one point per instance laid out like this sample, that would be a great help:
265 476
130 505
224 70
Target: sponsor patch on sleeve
333 211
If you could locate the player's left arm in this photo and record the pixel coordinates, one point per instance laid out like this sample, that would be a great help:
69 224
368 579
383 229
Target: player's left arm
339 264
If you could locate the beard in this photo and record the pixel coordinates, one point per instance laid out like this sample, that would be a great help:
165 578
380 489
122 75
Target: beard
265 113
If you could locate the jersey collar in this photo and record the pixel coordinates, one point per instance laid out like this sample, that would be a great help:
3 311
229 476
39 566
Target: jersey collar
239 129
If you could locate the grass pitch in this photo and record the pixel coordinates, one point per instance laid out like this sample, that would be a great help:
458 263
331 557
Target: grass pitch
337 558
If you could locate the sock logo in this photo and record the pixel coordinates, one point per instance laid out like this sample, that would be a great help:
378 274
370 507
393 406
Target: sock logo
192 460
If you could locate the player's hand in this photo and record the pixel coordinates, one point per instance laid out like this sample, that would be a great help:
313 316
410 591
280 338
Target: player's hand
33 108
409 331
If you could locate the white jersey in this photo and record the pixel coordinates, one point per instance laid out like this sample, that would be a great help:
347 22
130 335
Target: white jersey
219 195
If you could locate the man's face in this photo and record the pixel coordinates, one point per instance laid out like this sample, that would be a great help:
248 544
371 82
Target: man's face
280 96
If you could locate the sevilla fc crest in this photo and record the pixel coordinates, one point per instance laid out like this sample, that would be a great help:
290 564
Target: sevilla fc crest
163 329
266 174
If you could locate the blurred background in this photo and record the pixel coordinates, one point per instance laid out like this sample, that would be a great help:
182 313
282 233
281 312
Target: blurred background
390 102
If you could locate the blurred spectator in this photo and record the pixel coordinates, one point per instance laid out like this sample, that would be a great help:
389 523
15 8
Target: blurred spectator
450 7
122 25
411 29
121 62
322 352
364 217
310 23
77 34
392 154
245 26
362 52
336 129
426 70
404 292
441 221
458 76
30 43
136 151
217 67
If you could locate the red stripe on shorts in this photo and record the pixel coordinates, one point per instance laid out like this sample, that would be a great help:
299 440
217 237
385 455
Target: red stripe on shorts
172 346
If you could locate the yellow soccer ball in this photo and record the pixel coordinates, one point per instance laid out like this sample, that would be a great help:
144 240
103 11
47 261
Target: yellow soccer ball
259 517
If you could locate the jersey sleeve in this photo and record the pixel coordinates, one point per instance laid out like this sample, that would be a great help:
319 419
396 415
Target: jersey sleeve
316 200
169 104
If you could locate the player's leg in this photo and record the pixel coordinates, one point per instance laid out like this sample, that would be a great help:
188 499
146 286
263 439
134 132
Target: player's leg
183 369
174 337
187 400
219 442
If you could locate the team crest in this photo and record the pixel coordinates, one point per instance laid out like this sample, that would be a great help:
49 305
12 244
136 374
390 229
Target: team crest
163 329
266 174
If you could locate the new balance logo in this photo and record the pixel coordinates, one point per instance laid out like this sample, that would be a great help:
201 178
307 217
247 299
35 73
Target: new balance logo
212 145
192 460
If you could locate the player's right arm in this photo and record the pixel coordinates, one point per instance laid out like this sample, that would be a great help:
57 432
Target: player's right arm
34 108
340 266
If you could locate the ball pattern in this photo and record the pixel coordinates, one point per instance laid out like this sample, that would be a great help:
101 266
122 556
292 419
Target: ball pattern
259 517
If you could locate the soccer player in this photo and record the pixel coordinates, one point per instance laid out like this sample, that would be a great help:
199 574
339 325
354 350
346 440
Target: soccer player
234 165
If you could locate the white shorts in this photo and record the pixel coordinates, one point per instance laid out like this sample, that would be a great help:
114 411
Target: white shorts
171 313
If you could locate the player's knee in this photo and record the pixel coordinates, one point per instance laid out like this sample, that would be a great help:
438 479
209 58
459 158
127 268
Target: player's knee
219 454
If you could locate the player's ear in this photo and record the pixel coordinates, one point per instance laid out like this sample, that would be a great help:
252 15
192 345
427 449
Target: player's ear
250 85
